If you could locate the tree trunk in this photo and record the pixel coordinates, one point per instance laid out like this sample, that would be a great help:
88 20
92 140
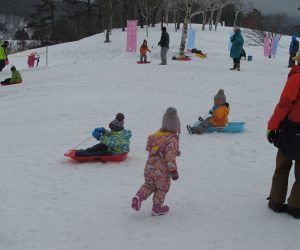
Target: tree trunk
204 15
218 18
162 18
108 21
211 19
236 17
185 28
124 15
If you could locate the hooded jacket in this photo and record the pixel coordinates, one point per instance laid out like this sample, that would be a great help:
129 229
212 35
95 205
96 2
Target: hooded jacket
294 46
237 45
289 103
3 54
117 142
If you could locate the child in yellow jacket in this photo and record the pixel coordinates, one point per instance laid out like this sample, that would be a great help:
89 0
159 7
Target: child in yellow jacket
219 115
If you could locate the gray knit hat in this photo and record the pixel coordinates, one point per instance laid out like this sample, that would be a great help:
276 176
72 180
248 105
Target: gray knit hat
170 121
220 96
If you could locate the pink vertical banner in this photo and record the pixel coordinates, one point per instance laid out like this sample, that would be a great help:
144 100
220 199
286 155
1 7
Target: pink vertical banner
131 36
267 47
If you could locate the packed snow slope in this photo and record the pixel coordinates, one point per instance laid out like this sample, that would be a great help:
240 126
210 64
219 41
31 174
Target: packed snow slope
219 202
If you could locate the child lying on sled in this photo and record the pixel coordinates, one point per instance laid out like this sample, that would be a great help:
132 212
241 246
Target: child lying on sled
219 115
113 142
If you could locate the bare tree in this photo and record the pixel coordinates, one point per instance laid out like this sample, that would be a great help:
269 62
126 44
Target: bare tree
188 9
147 8
239 7
268 28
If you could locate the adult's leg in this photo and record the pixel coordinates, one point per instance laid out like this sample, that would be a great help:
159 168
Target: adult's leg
294 199
280 178
291 61
164 51
234 64
238 64
2 65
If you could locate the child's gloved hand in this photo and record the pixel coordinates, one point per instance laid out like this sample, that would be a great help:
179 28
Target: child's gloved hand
174 175
271 135
97 133
200 118
210 112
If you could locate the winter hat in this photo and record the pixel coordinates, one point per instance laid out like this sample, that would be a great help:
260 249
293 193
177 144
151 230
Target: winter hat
220 96
164 29
13 68
118 123
170 121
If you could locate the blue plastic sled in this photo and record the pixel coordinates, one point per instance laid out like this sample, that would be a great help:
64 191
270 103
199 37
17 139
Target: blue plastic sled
232 127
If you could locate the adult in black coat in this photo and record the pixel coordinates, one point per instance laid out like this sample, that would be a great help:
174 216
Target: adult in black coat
164 44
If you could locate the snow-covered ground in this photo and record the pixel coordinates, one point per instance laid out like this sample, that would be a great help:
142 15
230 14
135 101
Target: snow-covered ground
50 203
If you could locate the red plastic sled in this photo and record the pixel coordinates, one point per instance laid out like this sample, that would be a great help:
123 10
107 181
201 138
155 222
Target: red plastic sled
139 62
113 158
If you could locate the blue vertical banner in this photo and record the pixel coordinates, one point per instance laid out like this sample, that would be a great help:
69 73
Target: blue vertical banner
275 45
191 39
229 42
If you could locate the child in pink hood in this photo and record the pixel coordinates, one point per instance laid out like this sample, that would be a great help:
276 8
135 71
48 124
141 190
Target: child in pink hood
163 147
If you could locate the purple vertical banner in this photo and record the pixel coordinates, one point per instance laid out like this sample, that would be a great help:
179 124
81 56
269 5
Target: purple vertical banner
267 47
131 36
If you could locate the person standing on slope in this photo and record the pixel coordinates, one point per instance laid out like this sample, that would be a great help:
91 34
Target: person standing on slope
3 55
294 47
163 148
164 44
237 41
283 132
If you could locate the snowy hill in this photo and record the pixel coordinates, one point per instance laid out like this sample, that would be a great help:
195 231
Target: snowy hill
48 202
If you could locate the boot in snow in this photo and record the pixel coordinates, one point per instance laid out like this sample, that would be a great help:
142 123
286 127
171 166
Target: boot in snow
238 66
276 207
159 210
136 202
294 211
234 66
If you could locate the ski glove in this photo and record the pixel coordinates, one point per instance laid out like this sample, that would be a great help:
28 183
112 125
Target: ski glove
174 175
271 135
97 133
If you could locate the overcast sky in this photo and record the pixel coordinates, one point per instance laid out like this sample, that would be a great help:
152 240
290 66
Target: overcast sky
275 6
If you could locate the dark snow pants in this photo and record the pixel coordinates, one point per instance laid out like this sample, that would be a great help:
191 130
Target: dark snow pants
280 181
291 61
6 82
97 150
2 65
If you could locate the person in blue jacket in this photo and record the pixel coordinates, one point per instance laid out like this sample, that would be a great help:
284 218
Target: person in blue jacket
237 41
294 47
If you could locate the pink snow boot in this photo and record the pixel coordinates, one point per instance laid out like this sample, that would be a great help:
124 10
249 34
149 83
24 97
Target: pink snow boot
136 202
159 210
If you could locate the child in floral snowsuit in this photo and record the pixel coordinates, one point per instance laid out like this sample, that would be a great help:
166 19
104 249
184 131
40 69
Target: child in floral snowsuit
163 147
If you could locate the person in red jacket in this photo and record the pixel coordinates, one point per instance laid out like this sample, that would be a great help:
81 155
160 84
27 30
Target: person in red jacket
288 107
143 51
